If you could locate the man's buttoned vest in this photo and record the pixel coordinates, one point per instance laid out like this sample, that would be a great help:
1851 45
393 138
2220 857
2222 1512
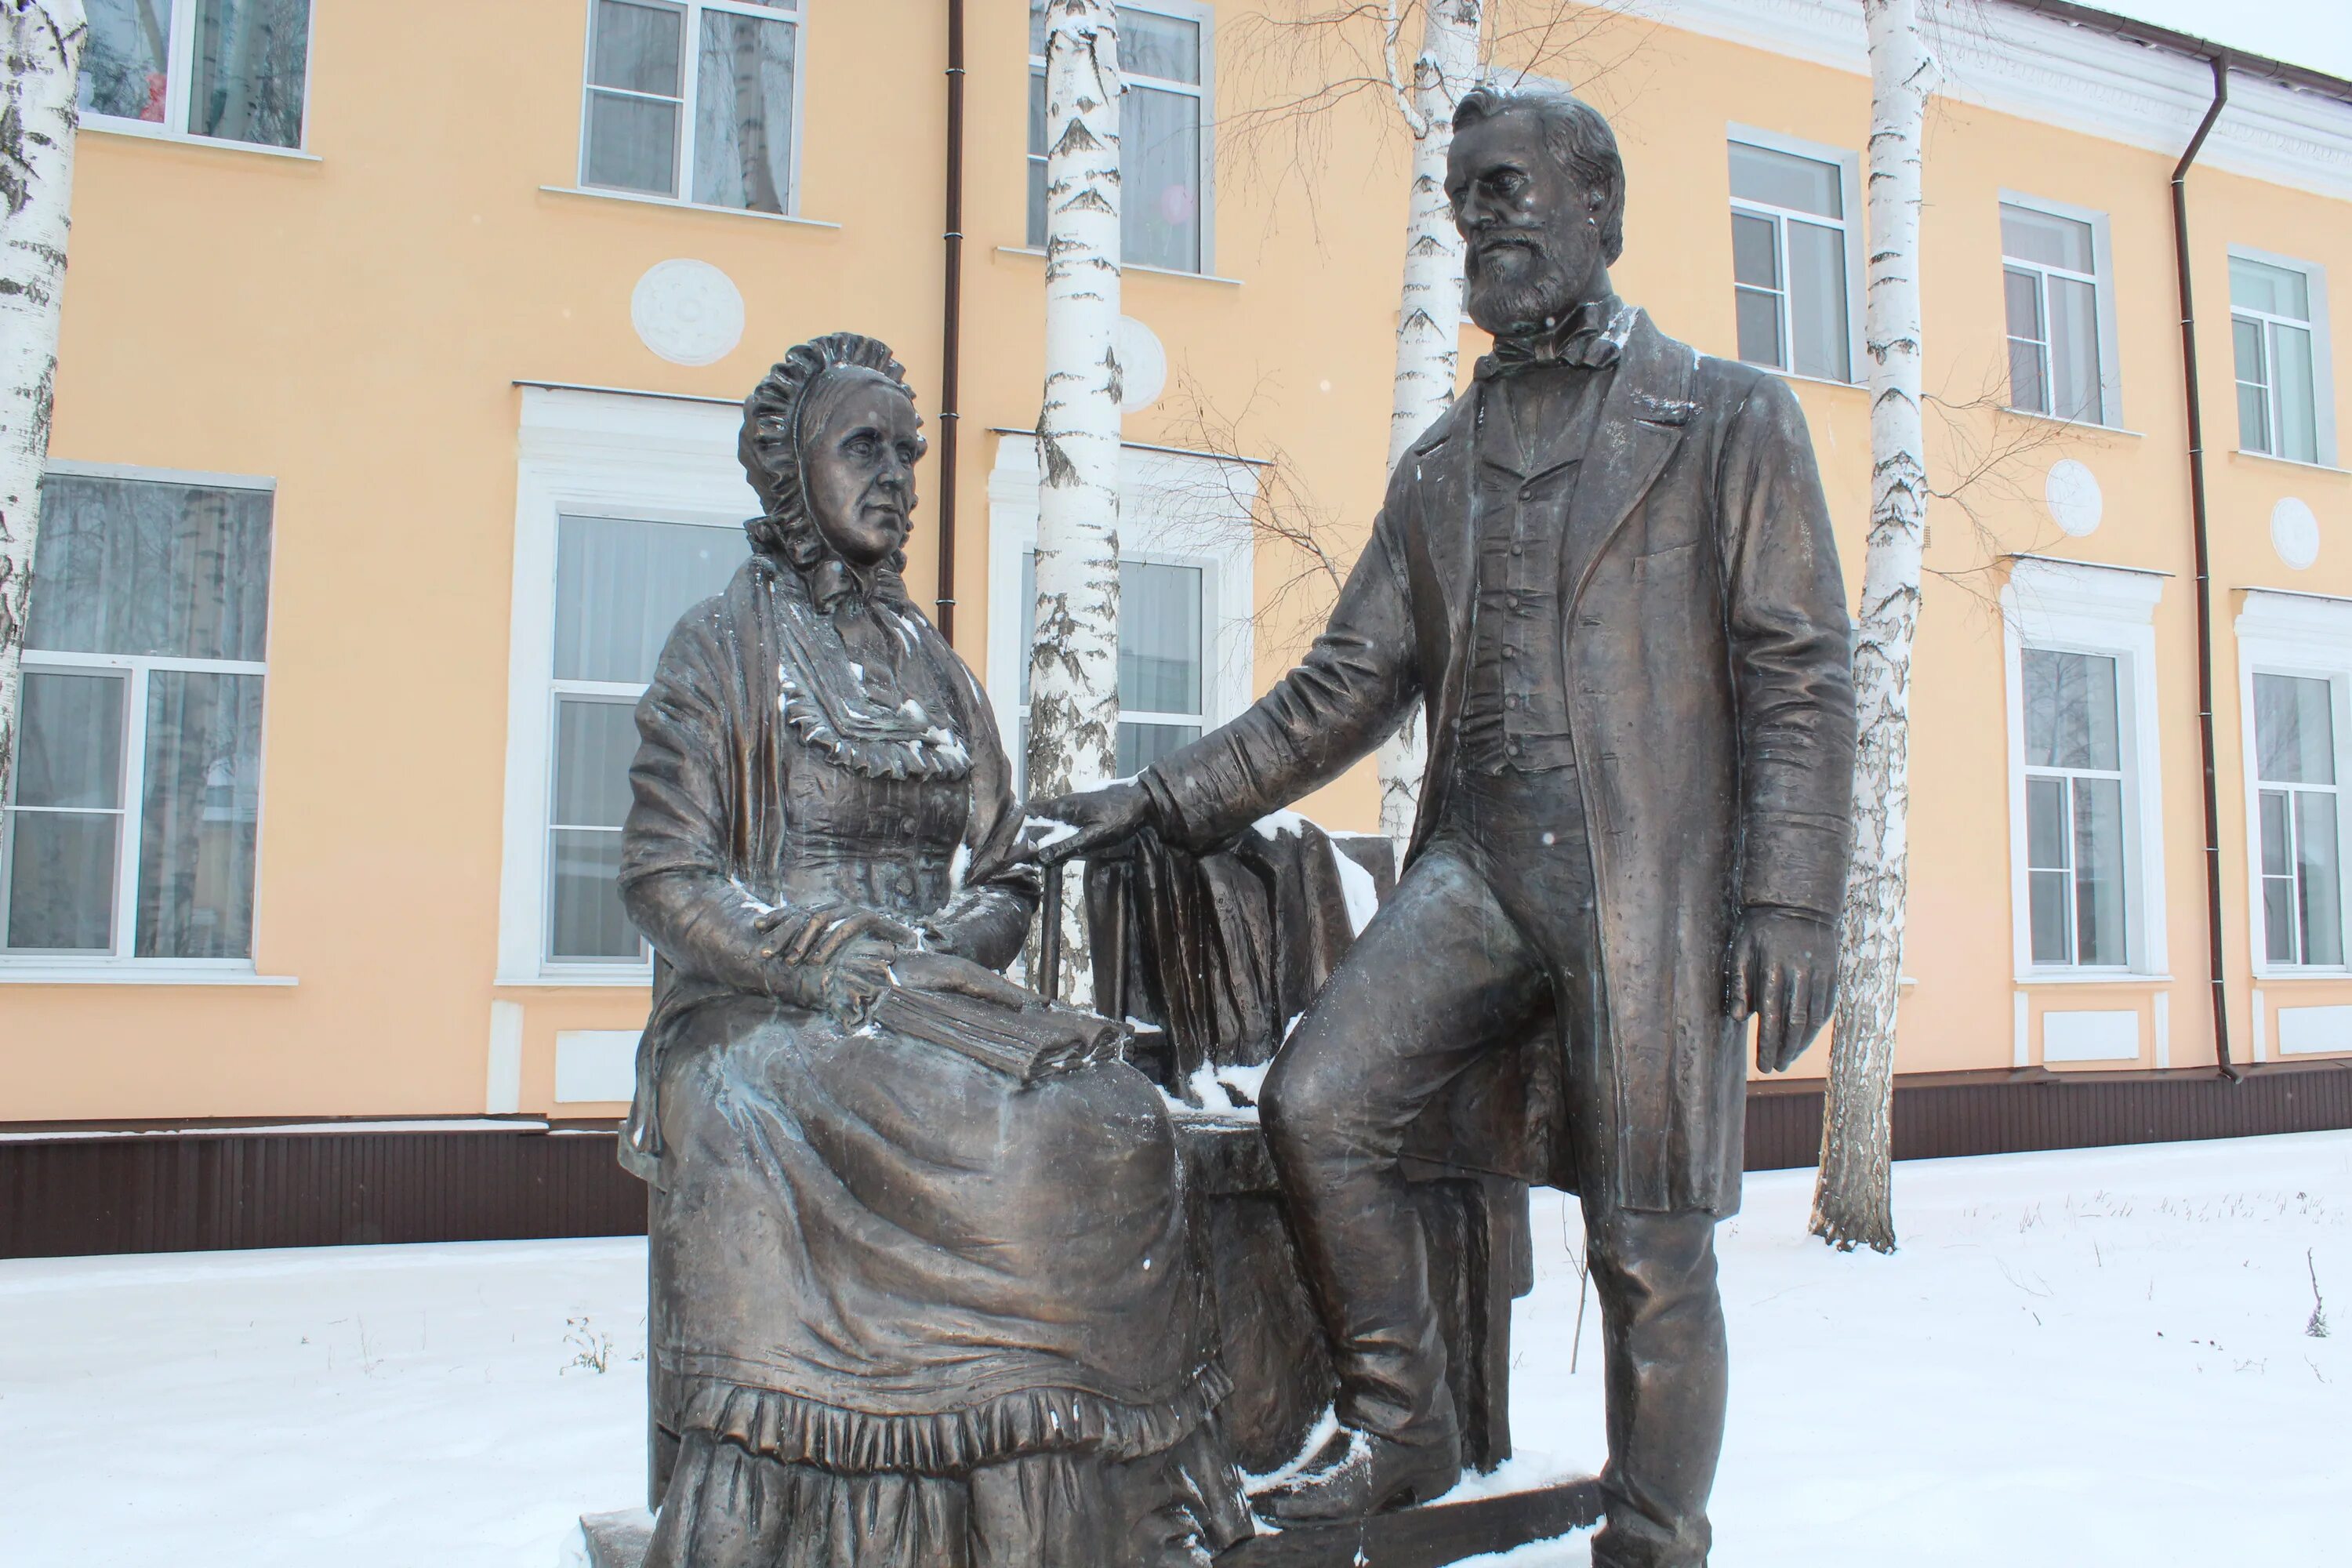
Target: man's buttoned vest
1515 706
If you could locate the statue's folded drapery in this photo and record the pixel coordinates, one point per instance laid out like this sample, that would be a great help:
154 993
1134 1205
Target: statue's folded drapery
907 1310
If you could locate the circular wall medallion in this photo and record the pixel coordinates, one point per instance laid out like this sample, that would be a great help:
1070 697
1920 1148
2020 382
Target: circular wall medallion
2294 533
2072 494
1142 364
688 311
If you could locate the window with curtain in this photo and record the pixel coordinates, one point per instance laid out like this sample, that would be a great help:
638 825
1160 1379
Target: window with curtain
2049 283
1789 262
1163 658
134 811
1163 169
2302 844
692 100
231 69
620 584
2074 808
2278 359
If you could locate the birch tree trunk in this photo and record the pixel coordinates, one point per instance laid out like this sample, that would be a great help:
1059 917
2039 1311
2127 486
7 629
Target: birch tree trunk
1429 319
1074 657
1853 1197
38 121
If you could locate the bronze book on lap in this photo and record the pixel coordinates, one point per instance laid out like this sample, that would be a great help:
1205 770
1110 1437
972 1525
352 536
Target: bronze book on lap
1028 1044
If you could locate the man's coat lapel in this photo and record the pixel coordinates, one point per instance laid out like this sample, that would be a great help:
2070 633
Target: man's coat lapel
1641 421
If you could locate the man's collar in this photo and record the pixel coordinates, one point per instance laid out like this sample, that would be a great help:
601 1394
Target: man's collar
1593 335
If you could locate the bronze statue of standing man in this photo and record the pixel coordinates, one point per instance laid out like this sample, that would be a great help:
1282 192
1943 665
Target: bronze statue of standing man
1607 575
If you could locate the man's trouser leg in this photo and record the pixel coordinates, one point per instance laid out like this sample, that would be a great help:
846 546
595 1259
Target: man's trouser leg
1661 1320
1661 1329
1439 976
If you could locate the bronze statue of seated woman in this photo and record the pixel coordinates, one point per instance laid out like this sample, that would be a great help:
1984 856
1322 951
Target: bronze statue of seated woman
923 1295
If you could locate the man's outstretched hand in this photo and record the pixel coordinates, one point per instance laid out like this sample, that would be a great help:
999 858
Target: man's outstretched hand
1064 827
1783 969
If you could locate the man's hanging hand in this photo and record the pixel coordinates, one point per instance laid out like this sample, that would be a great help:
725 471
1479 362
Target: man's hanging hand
1783 969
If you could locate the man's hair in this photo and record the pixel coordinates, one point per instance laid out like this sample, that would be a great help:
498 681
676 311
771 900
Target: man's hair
1574 133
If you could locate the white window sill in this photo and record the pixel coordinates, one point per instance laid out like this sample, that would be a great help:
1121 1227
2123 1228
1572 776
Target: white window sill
1861 386
140 130
282 1129
1132 267
641 199
134 974
2314 975
2241 453
2088 427
641 979
2092 977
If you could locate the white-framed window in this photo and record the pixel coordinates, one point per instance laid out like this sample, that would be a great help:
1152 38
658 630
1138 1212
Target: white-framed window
629 510
1795 264
2074 843
1165 54
2294 657
2059 310
2300 840
695 101
230 70
2278 336
134 810
2085 839
621 583
1186 638
1163 654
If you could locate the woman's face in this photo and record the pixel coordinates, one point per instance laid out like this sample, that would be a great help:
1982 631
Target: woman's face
860 468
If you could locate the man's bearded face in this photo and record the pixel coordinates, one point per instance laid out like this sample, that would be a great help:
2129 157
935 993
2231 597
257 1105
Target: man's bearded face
1530 226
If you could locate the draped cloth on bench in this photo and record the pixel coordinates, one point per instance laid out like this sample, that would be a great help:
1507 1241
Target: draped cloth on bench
1222 951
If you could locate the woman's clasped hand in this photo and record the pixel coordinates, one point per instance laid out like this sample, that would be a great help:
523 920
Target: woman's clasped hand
843 951
847 955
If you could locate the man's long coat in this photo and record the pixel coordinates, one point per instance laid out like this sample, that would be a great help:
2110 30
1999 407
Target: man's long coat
1711 701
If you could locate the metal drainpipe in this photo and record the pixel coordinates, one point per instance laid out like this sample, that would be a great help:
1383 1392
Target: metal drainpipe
951 347
2221 62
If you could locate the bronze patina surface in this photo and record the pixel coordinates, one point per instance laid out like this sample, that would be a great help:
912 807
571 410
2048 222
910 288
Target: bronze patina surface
923 1286
1606 579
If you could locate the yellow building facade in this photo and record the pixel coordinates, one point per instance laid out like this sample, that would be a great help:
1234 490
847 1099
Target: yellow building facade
394 423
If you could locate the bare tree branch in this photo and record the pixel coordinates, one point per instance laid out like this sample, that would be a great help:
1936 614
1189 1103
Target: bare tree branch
1415 121
1298 61
1302 552
1988 455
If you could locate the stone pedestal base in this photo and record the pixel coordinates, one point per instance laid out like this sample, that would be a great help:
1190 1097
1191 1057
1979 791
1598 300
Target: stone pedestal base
615 1539
1427 1537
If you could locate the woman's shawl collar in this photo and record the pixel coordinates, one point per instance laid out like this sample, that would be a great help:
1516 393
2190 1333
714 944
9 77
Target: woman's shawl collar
830 707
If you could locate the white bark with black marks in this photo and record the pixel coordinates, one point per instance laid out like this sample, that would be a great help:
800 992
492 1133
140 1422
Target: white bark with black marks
1853 1197
1074 657
1428 315
38 122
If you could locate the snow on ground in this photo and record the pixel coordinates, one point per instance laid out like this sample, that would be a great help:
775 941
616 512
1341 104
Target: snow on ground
364 1406
2083 1358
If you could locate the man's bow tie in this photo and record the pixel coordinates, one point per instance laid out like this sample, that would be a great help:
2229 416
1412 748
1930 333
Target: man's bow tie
1591 338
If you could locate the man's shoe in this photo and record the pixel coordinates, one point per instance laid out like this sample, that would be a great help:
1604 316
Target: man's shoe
1360 1473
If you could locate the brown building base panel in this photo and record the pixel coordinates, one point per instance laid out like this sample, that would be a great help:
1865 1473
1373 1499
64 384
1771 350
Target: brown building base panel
65 1193
1937 1115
